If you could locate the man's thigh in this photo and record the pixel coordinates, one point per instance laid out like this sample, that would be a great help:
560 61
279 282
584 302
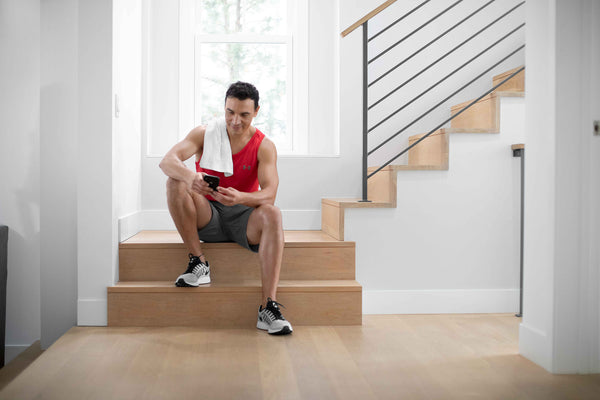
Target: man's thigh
203 210
254 228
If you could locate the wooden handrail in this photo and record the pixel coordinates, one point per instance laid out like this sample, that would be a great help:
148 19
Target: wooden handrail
368 17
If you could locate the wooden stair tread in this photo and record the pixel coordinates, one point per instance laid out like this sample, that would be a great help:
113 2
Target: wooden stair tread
420 167
356 203
502 93
505 74
171 239
236 286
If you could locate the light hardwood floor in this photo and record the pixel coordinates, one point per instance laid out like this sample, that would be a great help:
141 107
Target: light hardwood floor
388 357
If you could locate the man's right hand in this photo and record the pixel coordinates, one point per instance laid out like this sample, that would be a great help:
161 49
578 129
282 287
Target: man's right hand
199 185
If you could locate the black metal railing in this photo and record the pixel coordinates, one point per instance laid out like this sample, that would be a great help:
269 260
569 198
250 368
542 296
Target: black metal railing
366 84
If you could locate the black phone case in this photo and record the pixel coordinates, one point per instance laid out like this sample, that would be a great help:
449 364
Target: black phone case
213 181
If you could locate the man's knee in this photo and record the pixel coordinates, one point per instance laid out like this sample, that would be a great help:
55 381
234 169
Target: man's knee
176 187
270 215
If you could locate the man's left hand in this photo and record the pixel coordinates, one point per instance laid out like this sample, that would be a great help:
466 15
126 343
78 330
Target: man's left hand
227 196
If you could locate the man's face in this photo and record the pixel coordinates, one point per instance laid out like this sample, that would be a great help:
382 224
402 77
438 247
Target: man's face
239 115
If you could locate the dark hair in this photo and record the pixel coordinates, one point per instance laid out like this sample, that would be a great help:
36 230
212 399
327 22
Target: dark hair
242 91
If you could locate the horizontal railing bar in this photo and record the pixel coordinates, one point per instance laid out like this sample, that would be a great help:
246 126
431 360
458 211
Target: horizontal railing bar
436 61
400 19
415 31
446 121
442 102
446 77
440 36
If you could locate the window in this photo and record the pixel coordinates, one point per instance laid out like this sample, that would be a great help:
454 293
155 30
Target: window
247 40
195 48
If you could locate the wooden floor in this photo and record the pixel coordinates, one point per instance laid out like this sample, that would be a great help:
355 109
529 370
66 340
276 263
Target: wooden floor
388 357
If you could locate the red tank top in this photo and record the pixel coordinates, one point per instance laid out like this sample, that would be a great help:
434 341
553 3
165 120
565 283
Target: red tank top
245 167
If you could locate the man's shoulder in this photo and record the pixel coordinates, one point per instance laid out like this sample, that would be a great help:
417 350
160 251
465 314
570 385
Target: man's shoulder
267 150
198 132
267 145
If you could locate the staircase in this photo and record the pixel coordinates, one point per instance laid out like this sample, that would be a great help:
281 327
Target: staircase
317 283
429 155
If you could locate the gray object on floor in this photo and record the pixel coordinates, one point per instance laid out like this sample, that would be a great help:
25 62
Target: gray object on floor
3 275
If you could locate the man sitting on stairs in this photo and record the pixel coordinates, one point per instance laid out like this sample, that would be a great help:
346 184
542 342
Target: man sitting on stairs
238 210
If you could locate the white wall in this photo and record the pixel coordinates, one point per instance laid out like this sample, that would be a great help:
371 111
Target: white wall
20 167
452 243
540 183
58 157
127 87
96 205
561 310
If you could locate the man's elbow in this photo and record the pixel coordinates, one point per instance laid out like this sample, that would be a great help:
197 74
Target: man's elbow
163 164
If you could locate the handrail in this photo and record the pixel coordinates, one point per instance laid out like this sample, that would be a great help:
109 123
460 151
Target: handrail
367 17
364 23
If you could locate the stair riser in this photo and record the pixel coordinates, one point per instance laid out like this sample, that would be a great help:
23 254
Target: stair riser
332 220
482 115
228 264
432 150
231 310
516 83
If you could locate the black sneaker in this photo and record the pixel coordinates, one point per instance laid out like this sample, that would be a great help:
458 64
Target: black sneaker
271 320
197 273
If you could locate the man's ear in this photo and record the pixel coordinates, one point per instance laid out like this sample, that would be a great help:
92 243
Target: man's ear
256 111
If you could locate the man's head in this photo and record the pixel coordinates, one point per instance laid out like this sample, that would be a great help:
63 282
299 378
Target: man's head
243 91
241 106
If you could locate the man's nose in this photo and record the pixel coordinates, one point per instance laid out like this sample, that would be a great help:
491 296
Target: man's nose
236 119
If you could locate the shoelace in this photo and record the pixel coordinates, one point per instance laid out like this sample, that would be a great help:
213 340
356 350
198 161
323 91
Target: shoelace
273 306
195 265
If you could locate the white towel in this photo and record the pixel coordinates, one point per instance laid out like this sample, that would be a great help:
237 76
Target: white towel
216 154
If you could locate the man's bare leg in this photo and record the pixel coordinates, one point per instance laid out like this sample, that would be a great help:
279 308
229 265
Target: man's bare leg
265 227
190 211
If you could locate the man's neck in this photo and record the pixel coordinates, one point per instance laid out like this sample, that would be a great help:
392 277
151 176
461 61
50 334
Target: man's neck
241 136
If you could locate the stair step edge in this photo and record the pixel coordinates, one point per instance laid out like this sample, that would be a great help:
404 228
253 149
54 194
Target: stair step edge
236 286
171 239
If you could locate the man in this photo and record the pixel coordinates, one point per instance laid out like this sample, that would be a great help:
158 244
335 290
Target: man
237 210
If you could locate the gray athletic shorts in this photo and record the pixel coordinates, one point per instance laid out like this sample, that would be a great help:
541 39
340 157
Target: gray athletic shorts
228 224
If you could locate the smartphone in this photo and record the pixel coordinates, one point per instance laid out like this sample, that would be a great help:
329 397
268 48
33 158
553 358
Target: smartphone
213 181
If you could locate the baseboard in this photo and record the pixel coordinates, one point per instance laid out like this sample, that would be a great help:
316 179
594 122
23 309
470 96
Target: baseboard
130 225
138 221
92 312
535 346
440 301
12 351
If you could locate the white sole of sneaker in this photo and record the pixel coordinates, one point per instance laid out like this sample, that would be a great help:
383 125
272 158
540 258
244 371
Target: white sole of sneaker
181 282
283 331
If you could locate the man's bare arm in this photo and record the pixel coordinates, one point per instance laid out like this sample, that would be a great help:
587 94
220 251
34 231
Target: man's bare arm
172 163
268 180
